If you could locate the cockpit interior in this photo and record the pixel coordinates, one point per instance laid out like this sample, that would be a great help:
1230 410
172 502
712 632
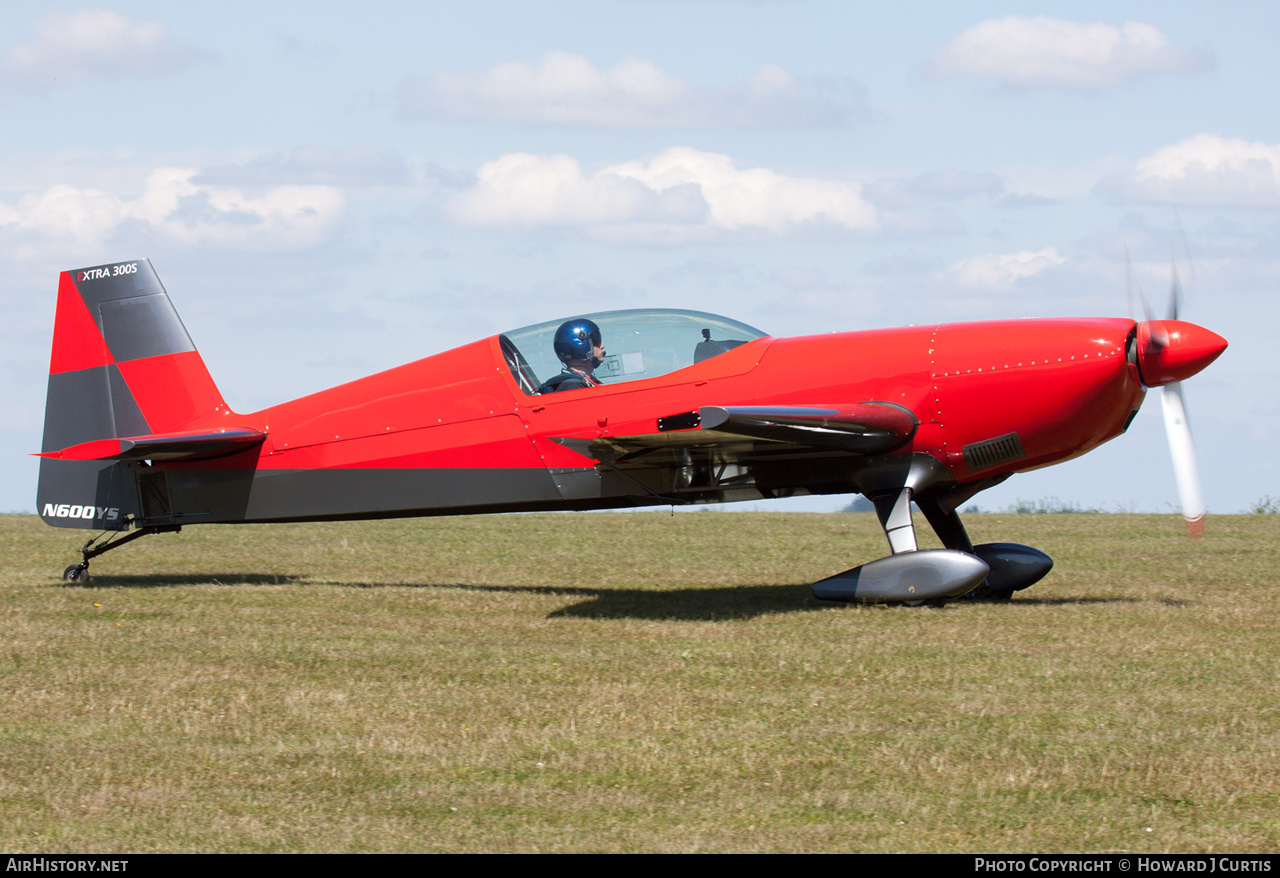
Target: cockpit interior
639 343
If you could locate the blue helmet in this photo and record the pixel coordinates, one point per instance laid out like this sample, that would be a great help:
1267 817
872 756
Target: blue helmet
576 339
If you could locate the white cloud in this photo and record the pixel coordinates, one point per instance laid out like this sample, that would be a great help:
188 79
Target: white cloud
679 192
568 90
1002 271
1044 51
1204 170
78 216
91 44
520 189
183 212
755 196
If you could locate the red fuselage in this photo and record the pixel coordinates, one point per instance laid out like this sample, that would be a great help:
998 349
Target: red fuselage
695 408
1063 386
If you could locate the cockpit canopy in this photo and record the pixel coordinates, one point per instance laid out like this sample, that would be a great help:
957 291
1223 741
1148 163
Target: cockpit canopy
640 343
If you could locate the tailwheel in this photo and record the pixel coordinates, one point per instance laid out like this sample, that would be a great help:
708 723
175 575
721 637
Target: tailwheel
80 572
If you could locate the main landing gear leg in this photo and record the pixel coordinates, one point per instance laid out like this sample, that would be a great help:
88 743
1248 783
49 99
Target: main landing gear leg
946 524
908 576
894 512
80 572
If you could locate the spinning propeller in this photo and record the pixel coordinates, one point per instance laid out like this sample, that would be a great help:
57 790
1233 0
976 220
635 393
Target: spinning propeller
1169 351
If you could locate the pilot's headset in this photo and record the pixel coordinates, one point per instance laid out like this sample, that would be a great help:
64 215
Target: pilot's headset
577 340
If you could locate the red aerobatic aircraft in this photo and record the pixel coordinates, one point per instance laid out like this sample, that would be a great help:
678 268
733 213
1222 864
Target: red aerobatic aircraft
618 409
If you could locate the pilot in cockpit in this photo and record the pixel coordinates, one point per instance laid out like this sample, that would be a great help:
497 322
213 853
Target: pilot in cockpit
579 346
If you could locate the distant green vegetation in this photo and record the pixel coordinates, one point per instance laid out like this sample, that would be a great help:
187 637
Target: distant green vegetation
1268 505
1050 505
636 682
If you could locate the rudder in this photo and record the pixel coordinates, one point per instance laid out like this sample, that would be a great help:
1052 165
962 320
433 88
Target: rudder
122 365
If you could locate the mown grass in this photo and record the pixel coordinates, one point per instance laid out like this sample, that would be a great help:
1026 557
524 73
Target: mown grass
635 682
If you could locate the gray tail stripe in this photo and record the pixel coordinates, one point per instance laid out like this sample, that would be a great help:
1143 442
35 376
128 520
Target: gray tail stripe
90 404
132 310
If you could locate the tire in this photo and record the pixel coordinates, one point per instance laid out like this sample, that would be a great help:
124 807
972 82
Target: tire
988 595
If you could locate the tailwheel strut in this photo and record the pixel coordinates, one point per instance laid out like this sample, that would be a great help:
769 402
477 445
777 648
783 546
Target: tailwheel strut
80 572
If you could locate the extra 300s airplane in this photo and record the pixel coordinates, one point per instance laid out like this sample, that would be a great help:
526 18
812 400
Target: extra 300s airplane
678 407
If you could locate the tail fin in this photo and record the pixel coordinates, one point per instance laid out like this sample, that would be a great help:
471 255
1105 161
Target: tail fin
122 366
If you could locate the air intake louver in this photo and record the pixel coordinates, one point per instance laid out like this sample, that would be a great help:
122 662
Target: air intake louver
993 452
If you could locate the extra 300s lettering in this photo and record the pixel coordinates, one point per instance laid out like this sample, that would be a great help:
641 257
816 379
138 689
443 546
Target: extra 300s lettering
110 271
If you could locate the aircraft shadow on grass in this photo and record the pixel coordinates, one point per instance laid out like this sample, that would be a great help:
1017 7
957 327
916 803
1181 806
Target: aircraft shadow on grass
685 604
182 580
733 602
690 604
1069 602
728 602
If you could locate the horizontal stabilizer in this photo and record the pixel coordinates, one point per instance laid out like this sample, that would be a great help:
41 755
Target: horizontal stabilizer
191 445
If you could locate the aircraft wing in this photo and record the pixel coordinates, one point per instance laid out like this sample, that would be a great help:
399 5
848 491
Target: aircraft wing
163 446
742 433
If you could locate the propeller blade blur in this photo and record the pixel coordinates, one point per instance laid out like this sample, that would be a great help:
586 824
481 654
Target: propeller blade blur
1182 449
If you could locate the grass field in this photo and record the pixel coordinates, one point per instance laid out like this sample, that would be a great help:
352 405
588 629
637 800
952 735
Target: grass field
636 682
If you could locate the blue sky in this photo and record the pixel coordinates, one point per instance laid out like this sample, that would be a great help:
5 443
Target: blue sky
329 189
